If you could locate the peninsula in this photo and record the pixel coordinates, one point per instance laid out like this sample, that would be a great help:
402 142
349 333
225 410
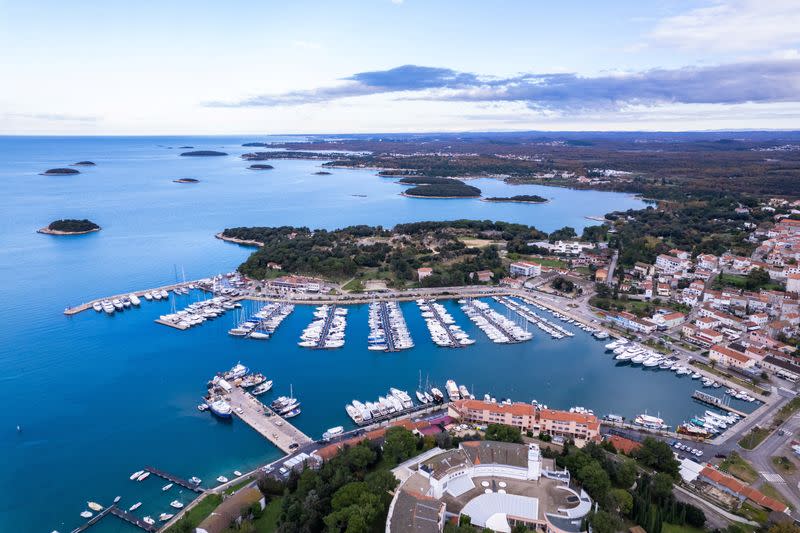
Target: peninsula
203 153
84 164
70 226
60 172
520 198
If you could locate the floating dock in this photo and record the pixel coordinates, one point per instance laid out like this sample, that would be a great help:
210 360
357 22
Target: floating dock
121 514
92 521
174 479
715 401
69 311
266 422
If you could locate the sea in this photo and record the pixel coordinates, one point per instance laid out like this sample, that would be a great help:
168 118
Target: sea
91 398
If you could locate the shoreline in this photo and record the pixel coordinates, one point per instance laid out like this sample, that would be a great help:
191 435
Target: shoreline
47 231
242 242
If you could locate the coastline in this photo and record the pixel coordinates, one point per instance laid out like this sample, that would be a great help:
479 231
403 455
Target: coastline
47 231
234 240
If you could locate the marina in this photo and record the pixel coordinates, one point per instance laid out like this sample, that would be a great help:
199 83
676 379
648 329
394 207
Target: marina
441 325
498 328
198 312
186 484
327 329
263 323
554 330
388 329
715 401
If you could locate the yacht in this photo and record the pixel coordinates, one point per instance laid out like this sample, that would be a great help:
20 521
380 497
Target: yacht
178 505
148 520
222 479
117 304
221 408
238 371
463 391
134 299
94 506
261 389
421 397
452 390
164 517
148 296
166 487
136 474
438 397
144 476
164 294
332 433
195 480
97 306
135 506
650 422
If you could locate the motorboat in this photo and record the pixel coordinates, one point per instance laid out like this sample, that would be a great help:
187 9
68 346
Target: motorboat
237 473
86 514
94 506
148 520
134 299
421 397
148 296
117 304
135 506
437 395
176 504
195 480
221 408
650 422
164 517
332 433
261 389
164 294
144 476
136 474
117 499
97 306
222 479
166 487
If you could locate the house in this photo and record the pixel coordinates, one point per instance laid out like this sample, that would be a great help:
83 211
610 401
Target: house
671 264
424 272
484 276
793 283
731 358
601 275
629 321
525 268
273 265
514 283
669 320
736 488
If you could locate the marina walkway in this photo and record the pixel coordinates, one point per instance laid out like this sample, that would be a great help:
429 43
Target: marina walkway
92 521
119 513
69 311
454 342
173 479
262 419
387 326
715 401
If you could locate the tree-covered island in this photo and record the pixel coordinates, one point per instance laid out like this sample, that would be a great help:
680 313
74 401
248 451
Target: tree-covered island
203 153
432 187
60 172
520 198
70 226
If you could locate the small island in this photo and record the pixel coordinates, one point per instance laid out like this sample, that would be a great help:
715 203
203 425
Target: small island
203 153
260 166
186 180
430 187
322 173
70 226
84 164
520 198
185 147
255 145
60 172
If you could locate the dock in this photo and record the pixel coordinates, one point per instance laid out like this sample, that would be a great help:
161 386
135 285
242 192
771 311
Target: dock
266 422
132 519
715 401
454 342
69 311
174 479
119 513
486 314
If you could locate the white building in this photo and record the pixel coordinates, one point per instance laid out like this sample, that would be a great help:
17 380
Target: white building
525 268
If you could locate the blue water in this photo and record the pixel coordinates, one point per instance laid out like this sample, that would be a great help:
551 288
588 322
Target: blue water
99 397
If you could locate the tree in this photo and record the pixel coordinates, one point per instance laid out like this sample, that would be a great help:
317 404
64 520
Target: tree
603 522
399 444
661 486
757 278
624 474
594 479
657 455
503 433
621 500
784 527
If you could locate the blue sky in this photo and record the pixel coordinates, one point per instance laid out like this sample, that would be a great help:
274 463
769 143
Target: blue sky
203 67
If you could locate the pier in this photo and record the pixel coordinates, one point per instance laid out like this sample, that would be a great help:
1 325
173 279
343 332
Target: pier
487 314
326 327
92 521
266 422
387 328
715 401
69 311
174 479
119 513
454 342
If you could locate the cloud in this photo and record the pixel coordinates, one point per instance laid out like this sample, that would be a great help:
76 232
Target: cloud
733 25
307 45
397 2
53 117
768 81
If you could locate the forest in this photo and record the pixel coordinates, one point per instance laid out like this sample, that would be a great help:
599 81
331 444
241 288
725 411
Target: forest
73 226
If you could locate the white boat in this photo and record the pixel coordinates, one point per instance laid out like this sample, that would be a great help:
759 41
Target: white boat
97 306
136 474
166 487
94 506
333 432
148 296
144 476
261 389
195 480
149 520
650 422
237 473
134 299
176 504
164 294
452 390
86 514
421 397
135 506
222 479
165 516
117 499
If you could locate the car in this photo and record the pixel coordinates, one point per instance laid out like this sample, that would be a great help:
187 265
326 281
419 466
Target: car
675 443
699 453
294 446
283 471
781 432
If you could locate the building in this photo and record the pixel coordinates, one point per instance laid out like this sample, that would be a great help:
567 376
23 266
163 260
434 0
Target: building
793 283
424 272
668 320
671 265
525 268
295 284
527 417
601 275
731 358
627 320
736 488
483 276
526 489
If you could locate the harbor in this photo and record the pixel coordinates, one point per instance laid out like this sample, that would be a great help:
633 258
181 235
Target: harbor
442 326
327 329
498 328
388 331
554 330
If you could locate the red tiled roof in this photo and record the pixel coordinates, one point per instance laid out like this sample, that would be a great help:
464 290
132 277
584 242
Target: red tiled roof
738 487
622 444
518 409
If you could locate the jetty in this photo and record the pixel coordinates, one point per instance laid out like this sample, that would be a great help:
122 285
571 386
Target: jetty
174 479
74 310
715 401
266 422
454 341
121 514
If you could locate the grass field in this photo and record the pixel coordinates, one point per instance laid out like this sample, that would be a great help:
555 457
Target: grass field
196 514
268 521
354 285
784 464
754 438
738 467
672 528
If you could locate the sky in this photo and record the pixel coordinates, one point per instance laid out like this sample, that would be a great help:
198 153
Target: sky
266 67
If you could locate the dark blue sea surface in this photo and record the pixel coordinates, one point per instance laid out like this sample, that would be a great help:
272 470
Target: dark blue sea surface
99 397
